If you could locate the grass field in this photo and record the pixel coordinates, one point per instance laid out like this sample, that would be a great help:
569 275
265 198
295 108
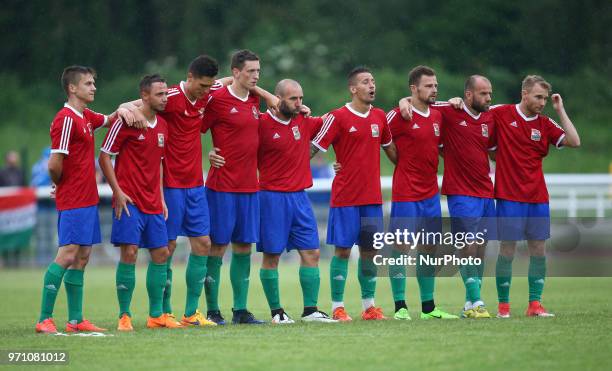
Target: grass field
578 338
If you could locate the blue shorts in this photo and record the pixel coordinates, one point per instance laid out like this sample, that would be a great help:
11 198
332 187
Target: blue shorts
143 230
350 225
234 217
415 216
287 221
471 214
79 226
518 221
187 212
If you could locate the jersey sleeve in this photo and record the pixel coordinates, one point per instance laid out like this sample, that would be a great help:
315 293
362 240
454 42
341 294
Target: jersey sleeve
492 145
115 137
210 115
216 86
97 119
61 133
554 132
386 137
393 123
314 125
328 133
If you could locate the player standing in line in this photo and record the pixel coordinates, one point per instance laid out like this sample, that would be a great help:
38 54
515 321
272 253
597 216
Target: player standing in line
357 131
523 138
139 207
232 115
287 219
71 167
416 201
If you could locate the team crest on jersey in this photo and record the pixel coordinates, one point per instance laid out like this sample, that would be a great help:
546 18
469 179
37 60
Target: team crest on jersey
436 129
296 132
255 113
375 131
160 139
485 130
535 135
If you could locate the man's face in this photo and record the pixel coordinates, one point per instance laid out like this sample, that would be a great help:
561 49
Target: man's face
248 75
85 89
291 101
199 86
535 98
157 97
364 87
480 97
427 89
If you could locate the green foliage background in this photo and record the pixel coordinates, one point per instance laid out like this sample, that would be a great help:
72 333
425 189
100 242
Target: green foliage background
316 42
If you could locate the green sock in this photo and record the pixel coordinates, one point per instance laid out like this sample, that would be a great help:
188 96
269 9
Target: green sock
426 275
51 284
167 304
269 281
366 275
213 280
125 280
480 269
338 271
397 277
73 282
310 282
240 271
195 275
503 278
536 277
469 273
157 275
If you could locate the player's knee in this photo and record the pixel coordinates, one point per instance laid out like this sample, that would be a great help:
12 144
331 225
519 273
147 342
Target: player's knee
66 256
310 258
507 248
160 255
241 248
171 246
536 247
343 253
200 245
217 250
270 261
129 255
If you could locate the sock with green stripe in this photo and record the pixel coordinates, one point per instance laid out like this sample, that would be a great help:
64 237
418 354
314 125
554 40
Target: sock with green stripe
73 282
51 285
125 281
469 273
167 304
157 275
366 274
195 275
397 277
338 271
536 276
310 282
213 280
503 278
269 281
240 271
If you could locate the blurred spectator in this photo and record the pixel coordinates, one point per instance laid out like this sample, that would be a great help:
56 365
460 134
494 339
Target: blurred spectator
40 171
11 174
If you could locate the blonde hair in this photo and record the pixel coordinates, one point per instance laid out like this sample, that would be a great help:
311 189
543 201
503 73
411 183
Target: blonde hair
530 80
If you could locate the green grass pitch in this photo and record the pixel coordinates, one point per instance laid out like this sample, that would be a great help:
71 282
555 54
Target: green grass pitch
578 338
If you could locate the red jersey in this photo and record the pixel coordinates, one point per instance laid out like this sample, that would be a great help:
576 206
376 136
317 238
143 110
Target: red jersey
234 124
467 140
357 139
284 152
72 133
183 160
415 177
522 143
139 155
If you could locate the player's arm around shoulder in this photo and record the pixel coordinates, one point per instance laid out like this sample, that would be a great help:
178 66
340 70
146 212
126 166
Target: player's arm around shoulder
571 138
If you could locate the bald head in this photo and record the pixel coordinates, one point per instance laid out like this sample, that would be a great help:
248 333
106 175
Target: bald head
284 86
475 80
478 93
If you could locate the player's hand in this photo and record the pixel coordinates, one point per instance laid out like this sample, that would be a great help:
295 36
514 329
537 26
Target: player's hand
138 121
305 110
273 102
126 116
337 167
165 210
456 103
557 101
53 191
405 106
216 160
121 201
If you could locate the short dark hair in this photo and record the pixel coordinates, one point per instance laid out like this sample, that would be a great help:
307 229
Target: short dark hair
148 80
72 75
470 83
240 57
204 66
414 77
356 71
